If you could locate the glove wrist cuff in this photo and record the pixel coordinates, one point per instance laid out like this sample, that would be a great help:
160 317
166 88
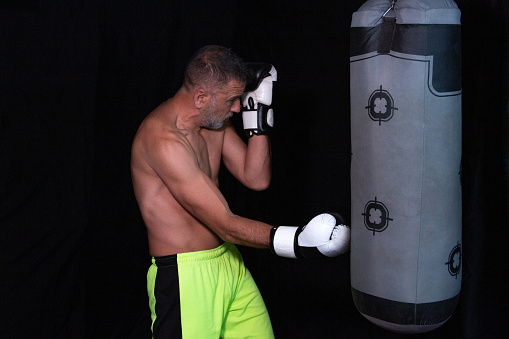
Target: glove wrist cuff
258 121
282 241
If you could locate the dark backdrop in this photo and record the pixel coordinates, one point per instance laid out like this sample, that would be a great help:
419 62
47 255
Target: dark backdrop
76 79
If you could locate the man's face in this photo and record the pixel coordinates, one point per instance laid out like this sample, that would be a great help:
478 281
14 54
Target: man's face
223 104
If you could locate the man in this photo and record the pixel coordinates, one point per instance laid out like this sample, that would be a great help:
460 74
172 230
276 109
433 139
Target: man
198 286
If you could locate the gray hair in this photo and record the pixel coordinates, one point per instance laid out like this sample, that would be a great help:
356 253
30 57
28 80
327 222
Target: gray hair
214 66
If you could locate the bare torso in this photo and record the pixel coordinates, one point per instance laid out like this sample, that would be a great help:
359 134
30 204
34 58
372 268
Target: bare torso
171 228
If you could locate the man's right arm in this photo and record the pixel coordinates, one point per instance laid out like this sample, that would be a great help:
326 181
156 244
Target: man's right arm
176 164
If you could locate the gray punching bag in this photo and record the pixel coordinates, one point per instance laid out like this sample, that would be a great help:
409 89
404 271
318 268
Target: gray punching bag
405 81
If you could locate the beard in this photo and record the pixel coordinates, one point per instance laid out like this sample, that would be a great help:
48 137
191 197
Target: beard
211 118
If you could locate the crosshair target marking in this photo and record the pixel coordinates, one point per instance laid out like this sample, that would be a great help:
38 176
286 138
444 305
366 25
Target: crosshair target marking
454 263
376 216
380 106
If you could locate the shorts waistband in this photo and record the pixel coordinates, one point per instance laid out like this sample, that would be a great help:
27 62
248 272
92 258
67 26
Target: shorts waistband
171 260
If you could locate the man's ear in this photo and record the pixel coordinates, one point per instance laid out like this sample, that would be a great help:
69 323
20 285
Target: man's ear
200 98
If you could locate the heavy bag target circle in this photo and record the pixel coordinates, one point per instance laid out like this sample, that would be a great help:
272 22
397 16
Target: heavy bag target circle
376 216
380 106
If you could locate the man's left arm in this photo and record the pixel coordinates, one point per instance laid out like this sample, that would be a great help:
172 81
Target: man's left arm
251 164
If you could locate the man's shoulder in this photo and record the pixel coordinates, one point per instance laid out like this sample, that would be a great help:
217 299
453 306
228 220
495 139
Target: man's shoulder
167 140
158 128
156 140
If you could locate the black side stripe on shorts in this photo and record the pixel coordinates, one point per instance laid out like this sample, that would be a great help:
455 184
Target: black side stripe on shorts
166 291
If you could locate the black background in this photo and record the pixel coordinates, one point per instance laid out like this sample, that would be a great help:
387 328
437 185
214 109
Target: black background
78 77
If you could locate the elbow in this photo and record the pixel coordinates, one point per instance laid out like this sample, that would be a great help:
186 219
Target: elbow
259 184
226 237
229 232
262 186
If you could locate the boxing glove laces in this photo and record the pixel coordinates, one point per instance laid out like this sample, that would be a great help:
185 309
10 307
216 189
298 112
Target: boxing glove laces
324 236
257 112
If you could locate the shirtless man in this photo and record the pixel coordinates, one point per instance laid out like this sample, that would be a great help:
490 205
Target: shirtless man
198 286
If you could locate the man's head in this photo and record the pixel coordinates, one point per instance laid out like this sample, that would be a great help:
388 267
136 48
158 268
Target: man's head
213 67
216 77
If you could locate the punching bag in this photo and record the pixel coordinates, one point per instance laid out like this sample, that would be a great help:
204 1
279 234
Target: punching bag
405 71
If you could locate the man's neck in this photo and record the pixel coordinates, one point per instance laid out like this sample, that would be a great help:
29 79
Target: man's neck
186 114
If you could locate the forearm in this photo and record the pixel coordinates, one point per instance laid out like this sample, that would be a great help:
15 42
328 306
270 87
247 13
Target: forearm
247 232
258 162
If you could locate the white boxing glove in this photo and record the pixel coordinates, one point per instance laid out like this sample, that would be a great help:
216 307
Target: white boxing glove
257 112
325 235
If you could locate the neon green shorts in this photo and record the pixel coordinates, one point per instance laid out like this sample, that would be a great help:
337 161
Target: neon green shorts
205 294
